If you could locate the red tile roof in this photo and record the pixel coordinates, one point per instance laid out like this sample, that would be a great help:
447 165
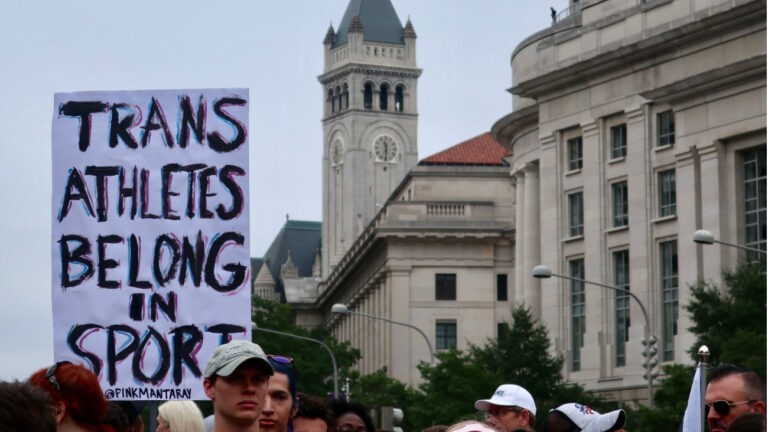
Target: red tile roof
481 150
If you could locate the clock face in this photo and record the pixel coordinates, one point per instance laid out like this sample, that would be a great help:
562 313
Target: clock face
385 148
336 151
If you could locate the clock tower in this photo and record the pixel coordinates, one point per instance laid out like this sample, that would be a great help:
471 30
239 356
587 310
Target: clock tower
370 119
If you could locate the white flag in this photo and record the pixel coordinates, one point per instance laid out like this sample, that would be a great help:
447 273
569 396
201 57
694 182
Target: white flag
692 421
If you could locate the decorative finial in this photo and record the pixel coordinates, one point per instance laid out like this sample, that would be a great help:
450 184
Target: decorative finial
703 354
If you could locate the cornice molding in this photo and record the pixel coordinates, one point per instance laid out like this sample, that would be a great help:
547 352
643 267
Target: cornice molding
651 48
371 70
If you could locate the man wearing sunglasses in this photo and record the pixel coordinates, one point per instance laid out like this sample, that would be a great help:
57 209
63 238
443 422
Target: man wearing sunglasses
732 391
509 409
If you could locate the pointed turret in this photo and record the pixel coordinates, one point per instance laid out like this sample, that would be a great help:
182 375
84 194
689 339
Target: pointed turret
289 270
408 30
330 35
356 26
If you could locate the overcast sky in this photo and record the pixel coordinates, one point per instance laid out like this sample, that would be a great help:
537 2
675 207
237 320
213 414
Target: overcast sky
273 48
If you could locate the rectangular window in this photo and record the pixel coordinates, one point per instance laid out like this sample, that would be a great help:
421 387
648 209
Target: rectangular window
501 287
665 128
667 193
578 312
574 154
445 335
620 204
754 201
668 266
576 214
445 286
618 141
621 281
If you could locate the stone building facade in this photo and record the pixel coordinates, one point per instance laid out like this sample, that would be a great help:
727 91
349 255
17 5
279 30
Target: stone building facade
634 124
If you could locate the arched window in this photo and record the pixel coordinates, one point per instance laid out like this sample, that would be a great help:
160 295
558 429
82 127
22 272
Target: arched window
338 97
346 96
399 98
383 96
331 104
368 95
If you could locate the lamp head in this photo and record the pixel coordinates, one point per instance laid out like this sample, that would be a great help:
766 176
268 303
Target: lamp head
542 272
339 308
703 237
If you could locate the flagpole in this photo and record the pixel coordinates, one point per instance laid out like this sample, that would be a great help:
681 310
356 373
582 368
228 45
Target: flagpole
703 359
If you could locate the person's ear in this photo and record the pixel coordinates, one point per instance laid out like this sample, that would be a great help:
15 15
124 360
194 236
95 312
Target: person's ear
759 407
525 416
208 388
59 410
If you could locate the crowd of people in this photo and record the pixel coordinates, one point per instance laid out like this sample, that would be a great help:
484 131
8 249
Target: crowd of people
253 391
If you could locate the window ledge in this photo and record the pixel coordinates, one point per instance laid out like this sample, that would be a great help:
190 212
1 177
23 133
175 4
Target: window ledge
665 219
617 160
617 229
572 172
663 148
610 379
573 239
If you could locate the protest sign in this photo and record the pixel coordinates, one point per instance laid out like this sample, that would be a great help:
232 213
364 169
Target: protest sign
150 235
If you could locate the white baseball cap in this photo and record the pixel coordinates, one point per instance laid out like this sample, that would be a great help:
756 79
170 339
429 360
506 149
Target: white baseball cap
509 395
590 420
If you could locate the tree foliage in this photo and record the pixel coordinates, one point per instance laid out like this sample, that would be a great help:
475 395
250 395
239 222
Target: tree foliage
731 321
520 355
311 362
379 390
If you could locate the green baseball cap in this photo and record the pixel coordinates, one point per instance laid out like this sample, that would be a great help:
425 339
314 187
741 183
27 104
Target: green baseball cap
229 356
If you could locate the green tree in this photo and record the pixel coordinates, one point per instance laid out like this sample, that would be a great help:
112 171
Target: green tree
731 321
520 355
379 390
311 362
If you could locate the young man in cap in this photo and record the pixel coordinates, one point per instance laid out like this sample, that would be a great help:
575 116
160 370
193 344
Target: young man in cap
236 378
510 408
574 416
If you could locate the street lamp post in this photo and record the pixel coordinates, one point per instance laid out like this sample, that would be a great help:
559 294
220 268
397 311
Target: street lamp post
703 236
333 357
544 272
340 308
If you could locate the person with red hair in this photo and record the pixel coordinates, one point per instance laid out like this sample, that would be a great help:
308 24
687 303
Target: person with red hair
78 402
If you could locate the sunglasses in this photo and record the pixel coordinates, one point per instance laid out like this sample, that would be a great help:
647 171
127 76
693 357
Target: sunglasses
50 375
280 359
723 407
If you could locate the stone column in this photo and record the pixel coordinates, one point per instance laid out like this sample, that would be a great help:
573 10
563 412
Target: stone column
520 280
532 235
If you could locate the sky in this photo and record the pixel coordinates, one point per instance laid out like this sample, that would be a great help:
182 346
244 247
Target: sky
273 48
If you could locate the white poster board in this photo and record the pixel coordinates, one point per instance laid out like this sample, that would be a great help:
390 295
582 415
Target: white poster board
150 239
